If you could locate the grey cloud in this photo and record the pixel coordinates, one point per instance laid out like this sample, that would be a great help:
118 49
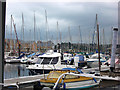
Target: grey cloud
66 14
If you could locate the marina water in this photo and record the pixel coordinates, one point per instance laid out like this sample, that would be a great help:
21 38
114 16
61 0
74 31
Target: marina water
19 70
15 70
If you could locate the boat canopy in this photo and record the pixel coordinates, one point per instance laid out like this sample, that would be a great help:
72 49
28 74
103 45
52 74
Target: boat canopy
21 56
55 54
81 57
31 55
95 56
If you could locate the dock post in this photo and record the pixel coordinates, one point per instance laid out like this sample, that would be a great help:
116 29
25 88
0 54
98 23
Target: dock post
114 42
2 36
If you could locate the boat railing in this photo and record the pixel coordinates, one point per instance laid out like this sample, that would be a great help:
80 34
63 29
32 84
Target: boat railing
62 76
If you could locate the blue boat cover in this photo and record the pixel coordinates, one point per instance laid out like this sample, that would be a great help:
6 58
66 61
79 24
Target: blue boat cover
73 69
37 54
31 55
21 56
81 57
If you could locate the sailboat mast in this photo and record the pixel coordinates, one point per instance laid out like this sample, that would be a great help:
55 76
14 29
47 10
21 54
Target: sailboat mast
11 34
69 36
98 43
103 41
80 38
34 26
23 29
60 40
46 29
57 33
39 39
30 41
89 42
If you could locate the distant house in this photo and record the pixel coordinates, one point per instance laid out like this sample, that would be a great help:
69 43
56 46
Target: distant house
7 45
27 46
34 47
17 46
44 45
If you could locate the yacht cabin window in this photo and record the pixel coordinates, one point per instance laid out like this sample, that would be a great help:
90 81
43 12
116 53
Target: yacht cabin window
47 60
55 60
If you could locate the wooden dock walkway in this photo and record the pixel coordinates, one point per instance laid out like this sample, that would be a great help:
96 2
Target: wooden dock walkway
25 80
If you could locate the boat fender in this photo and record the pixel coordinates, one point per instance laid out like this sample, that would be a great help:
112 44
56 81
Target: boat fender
95 80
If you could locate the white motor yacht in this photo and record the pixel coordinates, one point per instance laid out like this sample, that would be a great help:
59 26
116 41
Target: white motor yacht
93 61
49 61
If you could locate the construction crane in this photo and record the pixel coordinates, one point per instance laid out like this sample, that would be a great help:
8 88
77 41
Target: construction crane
16 36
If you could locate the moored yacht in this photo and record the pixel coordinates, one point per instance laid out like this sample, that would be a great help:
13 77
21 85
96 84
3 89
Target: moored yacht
93 61
49 61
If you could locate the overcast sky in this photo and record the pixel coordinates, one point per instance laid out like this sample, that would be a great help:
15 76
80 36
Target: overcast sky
67 14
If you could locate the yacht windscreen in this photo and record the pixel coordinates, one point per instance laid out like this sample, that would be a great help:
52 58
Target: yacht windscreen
55 60
46 60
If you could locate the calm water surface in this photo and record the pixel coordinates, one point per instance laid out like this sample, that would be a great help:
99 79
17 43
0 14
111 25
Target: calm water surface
18 70
15 70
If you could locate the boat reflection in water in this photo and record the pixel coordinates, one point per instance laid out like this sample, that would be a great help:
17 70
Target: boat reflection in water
15 70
